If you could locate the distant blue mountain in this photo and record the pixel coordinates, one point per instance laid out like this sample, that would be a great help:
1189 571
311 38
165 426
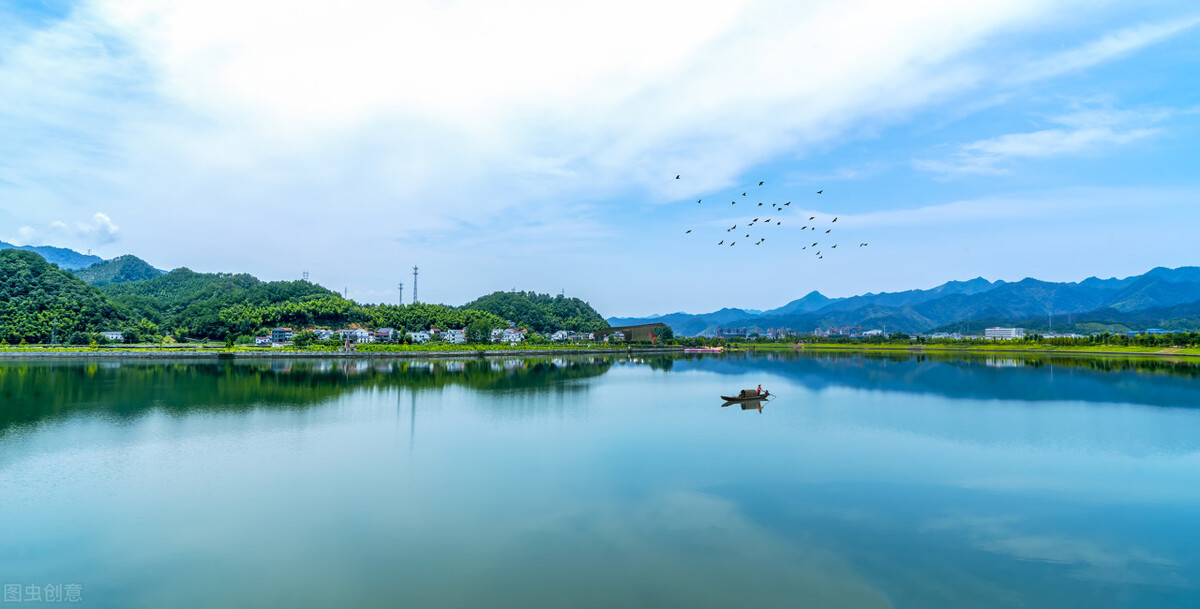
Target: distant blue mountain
65 258
1092 302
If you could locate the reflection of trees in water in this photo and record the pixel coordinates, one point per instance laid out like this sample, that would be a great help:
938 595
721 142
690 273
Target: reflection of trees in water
32 392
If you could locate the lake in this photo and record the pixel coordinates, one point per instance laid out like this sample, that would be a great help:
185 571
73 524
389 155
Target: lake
868 481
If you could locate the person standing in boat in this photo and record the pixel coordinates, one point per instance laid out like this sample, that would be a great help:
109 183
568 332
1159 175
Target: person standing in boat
760 389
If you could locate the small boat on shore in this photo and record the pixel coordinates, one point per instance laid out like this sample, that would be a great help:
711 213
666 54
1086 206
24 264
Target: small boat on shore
704 350
746 395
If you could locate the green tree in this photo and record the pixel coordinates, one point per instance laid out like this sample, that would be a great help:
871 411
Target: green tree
304 339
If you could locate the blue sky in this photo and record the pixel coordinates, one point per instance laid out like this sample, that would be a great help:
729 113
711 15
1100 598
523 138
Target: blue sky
534 145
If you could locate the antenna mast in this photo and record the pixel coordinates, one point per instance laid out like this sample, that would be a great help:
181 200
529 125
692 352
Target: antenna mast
401 288
414 283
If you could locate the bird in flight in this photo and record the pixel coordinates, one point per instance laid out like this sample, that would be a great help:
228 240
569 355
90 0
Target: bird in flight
697 201
779 222
760 183
804 227
760 204
812 217
820 191
747 236
722 242
834 219
756 220
814 245
743 194
676 177
688 231
788 203
827 232
834 247
731 244
767 220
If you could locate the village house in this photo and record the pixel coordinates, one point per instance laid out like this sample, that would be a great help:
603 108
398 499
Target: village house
560 335
357 335
116 337
387 334
281 335
262 341
419 337
457 337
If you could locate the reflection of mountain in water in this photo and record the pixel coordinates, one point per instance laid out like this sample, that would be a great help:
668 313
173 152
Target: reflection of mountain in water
31 392
1150 381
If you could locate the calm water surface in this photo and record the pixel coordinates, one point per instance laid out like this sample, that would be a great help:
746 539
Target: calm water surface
601 482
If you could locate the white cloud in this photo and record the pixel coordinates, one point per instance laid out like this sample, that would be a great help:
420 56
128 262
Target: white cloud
1109 47
1090 131
96 231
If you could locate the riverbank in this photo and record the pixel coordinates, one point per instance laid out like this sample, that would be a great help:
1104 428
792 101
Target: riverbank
997 349
196 354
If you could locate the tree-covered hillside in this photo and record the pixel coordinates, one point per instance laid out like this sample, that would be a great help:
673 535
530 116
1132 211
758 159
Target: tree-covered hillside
540 312
35 295
118 270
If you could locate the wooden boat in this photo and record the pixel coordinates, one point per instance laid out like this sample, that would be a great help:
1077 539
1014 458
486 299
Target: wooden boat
746 395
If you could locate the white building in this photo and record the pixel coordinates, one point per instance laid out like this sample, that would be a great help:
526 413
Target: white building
357 335
114 336
262 341
1003 333
560 335
457 337
512 337
419 337
385 334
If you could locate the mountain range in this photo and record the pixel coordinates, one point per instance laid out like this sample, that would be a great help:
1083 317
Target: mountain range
65 258
1161 297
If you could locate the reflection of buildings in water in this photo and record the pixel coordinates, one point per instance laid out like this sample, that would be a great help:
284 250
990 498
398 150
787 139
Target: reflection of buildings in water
281 366
110 365
1004 362
455 366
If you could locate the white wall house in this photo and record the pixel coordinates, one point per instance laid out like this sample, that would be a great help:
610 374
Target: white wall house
262 341
1003 333
457 337
419 337
114 336
385 334
512 337
357 335
560 335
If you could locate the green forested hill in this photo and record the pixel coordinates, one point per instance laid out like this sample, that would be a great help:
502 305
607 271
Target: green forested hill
35 295
540 312
118 270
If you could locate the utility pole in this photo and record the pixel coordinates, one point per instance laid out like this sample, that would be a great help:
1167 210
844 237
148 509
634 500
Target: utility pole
414 284
401 287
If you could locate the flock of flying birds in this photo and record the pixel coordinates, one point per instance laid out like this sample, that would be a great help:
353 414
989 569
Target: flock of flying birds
764 221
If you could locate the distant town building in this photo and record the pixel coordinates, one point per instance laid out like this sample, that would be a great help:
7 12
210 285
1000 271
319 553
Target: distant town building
385 334
262 341
1003 333
419 337
281 335
457 337
114 336
560 335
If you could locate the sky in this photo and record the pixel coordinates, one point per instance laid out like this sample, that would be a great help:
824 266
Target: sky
534 145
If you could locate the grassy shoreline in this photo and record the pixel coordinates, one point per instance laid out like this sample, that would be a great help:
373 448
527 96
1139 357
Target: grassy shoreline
316 352
999 348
